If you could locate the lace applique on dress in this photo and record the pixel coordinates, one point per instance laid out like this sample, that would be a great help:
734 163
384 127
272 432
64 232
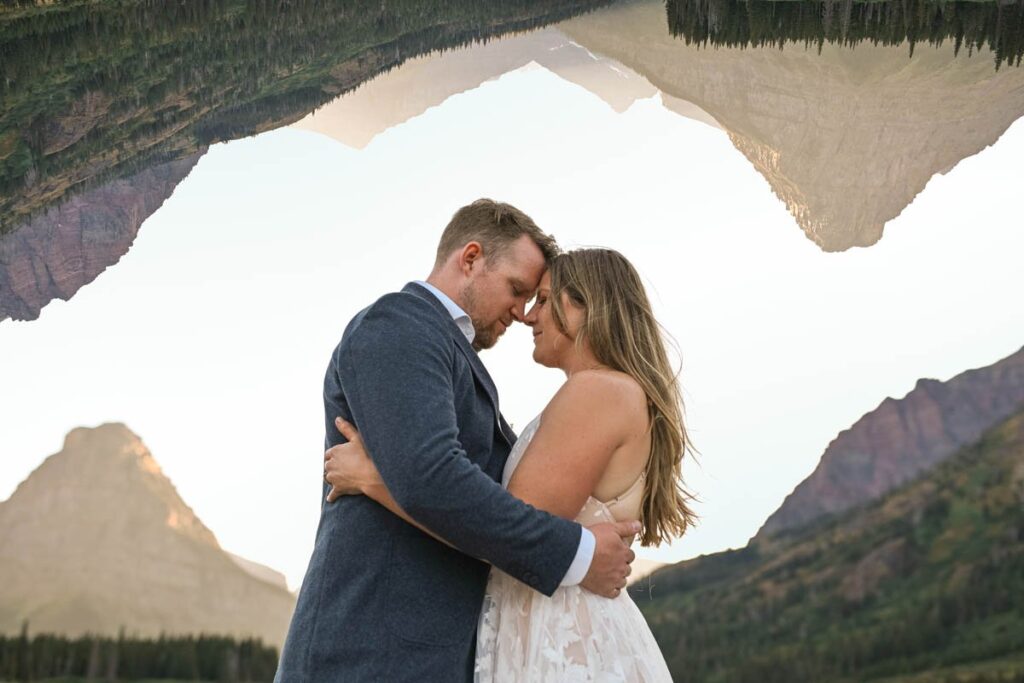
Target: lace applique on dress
573 636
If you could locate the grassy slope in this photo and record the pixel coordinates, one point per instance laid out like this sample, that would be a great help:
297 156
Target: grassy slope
930 577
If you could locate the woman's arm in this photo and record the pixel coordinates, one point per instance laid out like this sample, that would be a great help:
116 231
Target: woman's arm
349 471
591 416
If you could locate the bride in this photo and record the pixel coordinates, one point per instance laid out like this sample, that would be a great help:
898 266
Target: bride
608 447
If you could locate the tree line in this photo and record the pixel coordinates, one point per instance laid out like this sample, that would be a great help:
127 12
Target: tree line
184 658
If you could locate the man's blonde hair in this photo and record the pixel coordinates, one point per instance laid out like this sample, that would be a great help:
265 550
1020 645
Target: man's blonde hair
496 226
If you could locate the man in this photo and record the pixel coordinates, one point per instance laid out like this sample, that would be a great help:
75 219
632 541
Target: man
381 599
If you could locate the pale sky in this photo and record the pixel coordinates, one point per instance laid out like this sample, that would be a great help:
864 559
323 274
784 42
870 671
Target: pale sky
210 338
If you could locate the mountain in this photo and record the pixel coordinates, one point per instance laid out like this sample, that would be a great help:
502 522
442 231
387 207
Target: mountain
424 82
98 539
98 90
902 438
929 580
845 135
66 246
100 98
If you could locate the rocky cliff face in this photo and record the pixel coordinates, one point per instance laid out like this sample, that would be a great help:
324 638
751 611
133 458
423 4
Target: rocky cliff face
900 439
846 138
97 539
67 246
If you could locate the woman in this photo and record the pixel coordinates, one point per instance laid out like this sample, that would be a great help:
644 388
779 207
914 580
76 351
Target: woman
609 447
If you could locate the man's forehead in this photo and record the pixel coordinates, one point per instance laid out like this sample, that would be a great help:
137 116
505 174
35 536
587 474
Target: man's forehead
526 263
527 284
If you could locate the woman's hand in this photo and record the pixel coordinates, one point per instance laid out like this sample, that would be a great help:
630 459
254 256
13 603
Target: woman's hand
347 467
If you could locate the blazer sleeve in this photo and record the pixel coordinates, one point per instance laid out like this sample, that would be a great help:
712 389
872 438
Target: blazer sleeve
396 368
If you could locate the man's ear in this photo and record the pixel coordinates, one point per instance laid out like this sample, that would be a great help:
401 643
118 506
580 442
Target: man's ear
471 254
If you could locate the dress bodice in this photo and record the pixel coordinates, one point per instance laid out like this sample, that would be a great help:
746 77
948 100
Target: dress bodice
573 634
624 506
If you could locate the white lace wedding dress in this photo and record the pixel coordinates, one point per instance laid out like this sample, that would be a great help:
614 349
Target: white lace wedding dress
574 635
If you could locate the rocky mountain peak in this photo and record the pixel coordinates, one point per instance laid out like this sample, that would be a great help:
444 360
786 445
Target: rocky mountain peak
107 476
902 438
97 539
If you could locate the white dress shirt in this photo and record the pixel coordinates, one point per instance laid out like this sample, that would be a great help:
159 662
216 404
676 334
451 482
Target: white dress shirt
585 552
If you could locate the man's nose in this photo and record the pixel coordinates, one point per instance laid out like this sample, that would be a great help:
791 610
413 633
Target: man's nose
519 312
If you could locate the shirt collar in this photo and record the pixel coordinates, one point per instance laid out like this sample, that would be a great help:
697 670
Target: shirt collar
460 317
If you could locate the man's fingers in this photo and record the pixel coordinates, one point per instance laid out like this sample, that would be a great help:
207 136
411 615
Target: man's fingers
630 556
629 569
626 530
347 429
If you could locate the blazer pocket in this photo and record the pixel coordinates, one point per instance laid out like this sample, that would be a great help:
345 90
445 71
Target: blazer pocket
434 593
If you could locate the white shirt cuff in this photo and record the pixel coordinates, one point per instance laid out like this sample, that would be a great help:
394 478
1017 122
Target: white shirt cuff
581 563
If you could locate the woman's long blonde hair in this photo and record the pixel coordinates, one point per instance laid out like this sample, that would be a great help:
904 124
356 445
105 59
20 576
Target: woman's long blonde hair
620 328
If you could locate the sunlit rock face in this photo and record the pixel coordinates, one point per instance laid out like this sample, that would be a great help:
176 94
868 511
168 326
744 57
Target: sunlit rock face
67 246
846 138
901 439
98 539
424 82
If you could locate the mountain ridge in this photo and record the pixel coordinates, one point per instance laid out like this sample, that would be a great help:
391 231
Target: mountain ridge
97 539
902 438
929 577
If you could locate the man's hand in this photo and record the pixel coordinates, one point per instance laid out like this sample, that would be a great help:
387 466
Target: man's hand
612 557
347 467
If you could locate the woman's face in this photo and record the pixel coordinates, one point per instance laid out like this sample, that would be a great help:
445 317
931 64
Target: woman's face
552 347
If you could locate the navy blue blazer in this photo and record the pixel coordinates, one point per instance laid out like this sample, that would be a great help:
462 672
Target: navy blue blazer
381 600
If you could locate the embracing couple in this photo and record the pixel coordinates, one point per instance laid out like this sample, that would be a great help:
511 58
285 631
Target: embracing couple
448 549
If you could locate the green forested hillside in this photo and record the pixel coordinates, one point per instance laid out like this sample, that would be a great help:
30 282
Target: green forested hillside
928 581
90 91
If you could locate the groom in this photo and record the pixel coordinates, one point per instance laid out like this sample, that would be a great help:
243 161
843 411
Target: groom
381 600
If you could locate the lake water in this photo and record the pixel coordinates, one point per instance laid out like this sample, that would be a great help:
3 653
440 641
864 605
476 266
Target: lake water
823 200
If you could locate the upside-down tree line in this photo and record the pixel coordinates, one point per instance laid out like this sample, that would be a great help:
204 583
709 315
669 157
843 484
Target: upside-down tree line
965 24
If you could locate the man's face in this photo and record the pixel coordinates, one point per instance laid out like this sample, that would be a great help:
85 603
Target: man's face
498 290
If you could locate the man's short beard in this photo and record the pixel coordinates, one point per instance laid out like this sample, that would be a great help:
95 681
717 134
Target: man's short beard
484 337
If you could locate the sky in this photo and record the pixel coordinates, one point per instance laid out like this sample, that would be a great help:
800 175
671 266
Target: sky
211 336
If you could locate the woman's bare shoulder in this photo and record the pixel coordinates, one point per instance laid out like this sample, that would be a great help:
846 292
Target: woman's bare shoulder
607 391
609 383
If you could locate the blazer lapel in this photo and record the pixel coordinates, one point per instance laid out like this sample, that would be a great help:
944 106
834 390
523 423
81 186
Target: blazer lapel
479 371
